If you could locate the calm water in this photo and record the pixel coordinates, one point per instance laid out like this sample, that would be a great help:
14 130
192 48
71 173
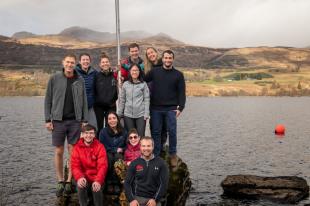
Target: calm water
217 137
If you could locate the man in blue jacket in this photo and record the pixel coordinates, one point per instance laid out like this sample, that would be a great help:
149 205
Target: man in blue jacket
65 109
88 73
147 177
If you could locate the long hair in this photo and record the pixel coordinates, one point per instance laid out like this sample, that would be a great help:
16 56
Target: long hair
119 127
140 77
148 64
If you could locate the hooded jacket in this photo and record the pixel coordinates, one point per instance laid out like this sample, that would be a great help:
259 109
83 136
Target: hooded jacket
134 100
89 162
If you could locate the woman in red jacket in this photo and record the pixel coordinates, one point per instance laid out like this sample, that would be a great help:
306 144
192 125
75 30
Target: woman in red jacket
89 166
132 151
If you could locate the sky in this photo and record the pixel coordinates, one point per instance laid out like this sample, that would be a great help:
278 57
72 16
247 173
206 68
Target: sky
212 23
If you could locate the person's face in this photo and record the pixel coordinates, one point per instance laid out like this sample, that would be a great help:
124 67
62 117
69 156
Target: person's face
88 136
134 53
134 72
85 62
134 139
68 64
151 55
146 148
104 64
112 120
168 60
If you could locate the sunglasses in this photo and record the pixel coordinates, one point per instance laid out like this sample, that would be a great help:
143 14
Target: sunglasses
133 137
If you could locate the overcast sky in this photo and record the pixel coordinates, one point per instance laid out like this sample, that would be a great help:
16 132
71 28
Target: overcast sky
214 23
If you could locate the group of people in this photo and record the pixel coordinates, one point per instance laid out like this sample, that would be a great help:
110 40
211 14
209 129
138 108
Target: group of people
81 106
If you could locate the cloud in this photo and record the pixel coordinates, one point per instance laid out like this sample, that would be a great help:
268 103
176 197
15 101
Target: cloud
216 23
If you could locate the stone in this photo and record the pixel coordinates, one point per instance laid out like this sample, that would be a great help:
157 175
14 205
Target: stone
282 189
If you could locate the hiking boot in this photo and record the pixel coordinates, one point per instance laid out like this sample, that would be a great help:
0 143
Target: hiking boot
174 160
60 189
67 189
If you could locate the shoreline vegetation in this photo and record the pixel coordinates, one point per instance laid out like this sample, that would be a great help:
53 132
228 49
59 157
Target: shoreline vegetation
32 81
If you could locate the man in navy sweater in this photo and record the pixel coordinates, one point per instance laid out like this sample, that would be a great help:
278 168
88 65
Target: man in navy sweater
147 177
167 102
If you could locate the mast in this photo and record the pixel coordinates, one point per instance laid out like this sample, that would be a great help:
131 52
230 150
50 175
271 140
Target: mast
118 41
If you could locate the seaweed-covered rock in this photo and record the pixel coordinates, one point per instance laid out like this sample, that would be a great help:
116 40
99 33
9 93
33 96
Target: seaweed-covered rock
283 189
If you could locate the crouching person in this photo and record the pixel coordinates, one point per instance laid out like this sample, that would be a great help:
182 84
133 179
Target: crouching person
89 166
147 177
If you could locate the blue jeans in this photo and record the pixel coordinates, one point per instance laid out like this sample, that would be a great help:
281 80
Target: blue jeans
157 119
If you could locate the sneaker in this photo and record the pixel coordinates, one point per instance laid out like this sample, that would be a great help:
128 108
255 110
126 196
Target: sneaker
174 160
67 189
60 189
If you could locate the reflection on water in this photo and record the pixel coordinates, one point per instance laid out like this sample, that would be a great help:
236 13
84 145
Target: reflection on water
217 137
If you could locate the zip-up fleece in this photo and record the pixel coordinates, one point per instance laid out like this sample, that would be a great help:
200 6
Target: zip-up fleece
147 179
55 98
134 100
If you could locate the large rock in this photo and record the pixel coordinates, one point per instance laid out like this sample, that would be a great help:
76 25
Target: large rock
283 189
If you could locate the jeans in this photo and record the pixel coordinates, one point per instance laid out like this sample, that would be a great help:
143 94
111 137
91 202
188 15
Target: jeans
157 120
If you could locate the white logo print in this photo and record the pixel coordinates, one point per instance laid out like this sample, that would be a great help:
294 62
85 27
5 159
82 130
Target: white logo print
156 168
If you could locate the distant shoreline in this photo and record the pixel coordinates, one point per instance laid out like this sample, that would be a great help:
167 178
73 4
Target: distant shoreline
199 82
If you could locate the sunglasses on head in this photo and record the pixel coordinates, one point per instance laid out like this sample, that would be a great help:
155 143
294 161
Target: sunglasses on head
133 137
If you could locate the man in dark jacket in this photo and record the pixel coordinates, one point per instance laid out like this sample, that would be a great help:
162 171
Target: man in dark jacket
88 73
105 92
167 102
147 177
65 109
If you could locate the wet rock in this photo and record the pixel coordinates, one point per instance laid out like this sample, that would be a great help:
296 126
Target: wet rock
283 189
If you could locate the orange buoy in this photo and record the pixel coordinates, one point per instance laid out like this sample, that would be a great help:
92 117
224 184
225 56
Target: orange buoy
279 130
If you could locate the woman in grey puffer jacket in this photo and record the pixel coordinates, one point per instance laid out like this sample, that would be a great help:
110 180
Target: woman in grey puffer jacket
134 101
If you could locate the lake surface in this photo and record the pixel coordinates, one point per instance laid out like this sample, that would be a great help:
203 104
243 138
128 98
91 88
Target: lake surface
216 137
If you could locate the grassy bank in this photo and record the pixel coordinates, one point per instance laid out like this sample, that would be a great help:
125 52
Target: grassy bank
200 82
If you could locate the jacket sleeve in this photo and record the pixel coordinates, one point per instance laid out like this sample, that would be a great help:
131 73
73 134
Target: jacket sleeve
122 99
181 92
148 77
48 101
85 106
164 180
76 164
128 184
102 165
104 141
146 98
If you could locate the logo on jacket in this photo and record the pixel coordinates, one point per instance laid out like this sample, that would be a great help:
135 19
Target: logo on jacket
139 168
156 168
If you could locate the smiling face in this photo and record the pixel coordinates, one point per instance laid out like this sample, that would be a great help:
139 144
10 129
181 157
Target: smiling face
85 62
167 60
68 64
88 136
134 53
134 72
104 64
151 55
133 139
146 148
112 120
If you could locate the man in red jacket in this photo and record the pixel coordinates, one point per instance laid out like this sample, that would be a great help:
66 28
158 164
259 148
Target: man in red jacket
89 166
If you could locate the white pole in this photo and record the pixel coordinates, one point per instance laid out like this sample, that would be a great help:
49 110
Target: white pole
118 40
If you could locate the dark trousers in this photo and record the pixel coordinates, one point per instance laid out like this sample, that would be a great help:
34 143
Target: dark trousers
164 133
157 120
137 123
84 194
102 115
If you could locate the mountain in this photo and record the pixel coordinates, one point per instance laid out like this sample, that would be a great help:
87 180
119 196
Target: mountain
22 34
